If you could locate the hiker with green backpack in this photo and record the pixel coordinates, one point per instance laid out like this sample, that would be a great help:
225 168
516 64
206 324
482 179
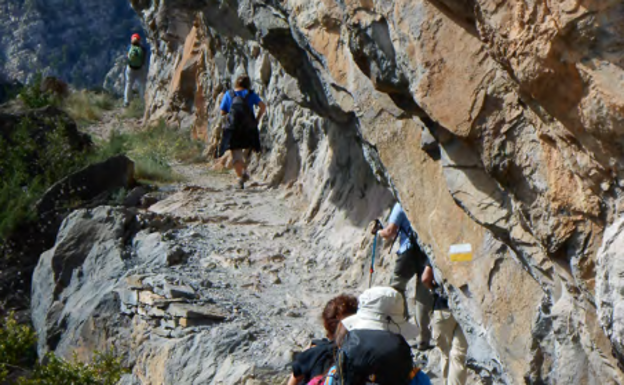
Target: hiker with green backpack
135 69
411 261
241 134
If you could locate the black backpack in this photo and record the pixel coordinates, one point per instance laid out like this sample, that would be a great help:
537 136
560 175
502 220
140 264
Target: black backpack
374 357
241 116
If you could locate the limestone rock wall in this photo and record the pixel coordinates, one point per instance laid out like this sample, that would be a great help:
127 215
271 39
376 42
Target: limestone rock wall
523 100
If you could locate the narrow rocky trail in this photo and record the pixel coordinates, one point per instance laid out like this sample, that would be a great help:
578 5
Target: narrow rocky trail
206 284
256 257
210 285
255 241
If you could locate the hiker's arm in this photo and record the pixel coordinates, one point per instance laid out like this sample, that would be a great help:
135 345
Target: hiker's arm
294 380
390 231
262 108
225 104
427 278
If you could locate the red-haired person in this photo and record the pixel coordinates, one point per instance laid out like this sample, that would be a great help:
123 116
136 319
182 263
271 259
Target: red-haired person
313 364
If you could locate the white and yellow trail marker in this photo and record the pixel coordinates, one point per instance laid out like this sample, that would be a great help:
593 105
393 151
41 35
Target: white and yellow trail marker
461 253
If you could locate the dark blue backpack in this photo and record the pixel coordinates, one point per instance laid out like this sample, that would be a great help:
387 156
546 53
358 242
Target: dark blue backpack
374 357
241 116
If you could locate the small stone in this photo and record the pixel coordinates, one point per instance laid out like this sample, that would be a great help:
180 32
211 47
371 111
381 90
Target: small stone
181 332
156 312
293 314
170 323
148 298
133 199
165 333
172 291
135 282
129 297
176 256
187 310
125 309
142 312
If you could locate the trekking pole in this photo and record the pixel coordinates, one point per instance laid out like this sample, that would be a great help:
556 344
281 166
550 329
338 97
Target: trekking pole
378 226
372 268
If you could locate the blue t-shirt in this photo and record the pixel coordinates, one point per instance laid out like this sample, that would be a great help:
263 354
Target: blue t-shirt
399 218
226 102
421 379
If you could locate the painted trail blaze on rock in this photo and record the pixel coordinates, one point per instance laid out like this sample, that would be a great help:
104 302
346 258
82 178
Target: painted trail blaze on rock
461 253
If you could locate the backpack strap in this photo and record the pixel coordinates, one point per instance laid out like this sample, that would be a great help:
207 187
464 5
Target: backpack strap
249 92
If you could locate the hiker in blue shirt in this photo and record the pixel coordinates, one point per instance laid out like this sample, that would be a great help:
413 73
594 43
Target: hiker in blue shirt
411 261
241 131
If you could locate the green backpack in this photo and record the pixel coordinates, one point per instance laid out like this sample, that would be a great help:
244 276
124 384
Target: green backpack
135 57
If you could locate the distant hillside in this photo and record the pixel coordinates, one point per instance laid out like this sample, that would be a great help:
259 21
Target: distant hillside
77 41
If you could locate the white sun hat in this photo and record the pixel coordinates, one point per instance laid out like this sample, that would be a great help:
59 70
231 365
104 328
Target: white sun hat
381 308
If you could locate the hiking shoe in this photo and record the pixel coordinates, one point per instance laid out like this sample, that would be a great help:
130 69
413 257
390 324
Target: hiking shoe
126 105
241 183
424 346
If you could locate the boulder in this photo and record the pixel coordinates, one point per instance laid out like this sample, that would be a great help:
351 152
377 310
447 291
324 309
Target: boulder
72 288
89 183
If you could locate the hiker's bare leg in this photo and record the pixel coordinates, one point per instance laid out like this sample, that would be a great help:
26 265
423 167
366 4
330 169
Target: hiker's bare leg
238 158
239 167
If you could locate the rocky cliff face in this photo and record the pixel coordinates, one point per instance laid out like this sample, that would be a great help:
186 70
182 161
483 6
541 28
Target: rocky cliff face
494 123
77 41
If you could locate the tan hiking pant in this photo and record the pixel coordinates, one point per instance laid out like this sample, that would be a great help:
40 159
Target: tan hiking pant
411 265
450 339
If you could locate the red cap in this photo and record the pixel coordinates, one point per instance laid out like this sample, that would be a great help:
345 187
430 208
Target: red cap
136 36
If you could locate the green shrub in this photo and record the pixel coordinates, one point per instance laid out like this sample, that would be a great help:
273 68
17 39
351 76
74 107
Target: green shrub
33 97
153 151
106 369
28 169
18 358
17 347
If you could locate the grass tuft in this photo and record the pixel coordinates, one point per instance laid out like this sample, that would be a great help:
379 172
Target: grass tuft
87 107
135 110
154 150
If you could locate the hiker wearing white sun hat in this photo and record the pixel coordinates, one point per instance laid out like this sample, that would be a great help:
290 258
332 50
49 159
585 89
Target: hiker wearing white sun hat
382 308
372 344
